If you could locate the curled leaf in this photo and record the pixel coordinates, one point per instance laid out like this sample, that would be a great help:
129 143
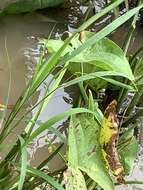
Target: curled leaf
108 138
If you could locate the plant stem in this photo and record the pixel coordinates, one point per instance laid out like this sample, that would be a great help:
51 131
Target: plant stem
83 92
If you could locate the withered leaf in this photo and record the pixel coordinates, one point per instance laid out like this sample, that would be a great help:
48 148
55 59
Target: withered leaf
108 138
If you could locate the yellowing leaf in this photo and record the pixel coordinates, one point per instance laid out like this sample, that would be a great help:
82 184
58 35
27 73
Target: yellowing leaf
85 153
108 138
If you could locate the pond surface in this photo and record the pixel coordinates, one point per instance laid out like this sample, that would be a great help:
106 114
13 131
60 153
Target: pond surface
19 52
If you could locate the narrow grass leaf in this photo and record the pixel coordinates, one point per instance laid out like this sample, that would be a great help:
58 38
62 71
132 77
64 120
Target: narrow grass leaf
53 60
23 164
46 177
99 15
56 151
103 33
103 75
57 118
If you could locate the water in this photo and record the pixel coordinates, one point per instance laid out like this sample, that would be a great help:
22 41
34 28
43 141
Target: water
19 37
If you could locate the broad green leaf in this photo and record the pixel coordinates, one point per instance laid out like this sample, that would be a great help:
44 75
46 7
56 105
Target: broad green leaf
103 33
55 58
128 154
75 180
128 148
20 6
85 151
23 164
103 55
54 45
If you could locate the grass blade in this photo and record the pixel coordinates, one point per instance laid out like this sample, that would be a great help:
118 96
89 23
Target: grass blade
99 15
103 33
46 177
57 118
23 164
103 75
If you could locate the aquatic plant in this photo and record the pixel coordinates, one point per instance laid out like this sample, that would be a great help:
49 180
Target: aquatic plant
97 155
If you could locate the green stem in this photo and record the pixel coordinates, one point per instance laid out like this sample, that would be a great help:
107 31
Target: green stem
81 86
83 92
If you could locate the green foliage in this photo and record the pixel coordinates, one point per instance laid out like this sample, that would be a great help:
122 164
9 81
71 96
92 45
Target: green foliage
128 149
20 6
138 72
104 55
46 177
85 152
57 118
75 179
92 58
129 154
23 164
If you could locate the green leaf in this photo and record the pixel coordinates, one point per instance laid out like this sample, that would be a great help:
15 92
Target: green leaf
75 180
23 164
138 72
104 55
103 75
54 45
85 152
129 154
46 177
103 33
99 15
57 118
20 6
55 58
128 149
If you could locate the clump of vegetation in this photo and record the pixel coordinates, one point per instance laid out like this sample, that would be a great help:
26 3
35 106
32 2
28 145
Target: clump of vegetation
101 146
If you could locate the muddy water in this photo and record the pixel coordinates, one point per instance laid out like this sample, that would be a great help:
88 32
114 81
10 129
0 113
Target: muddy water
19 52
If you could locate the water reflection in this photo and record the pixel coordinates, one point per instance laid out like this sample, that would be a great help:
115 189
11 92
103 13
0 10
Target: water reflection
19 35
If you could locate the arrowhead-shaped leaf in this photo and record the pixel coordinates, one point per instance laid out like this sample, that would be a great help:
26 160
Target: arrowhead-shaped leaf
85 152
